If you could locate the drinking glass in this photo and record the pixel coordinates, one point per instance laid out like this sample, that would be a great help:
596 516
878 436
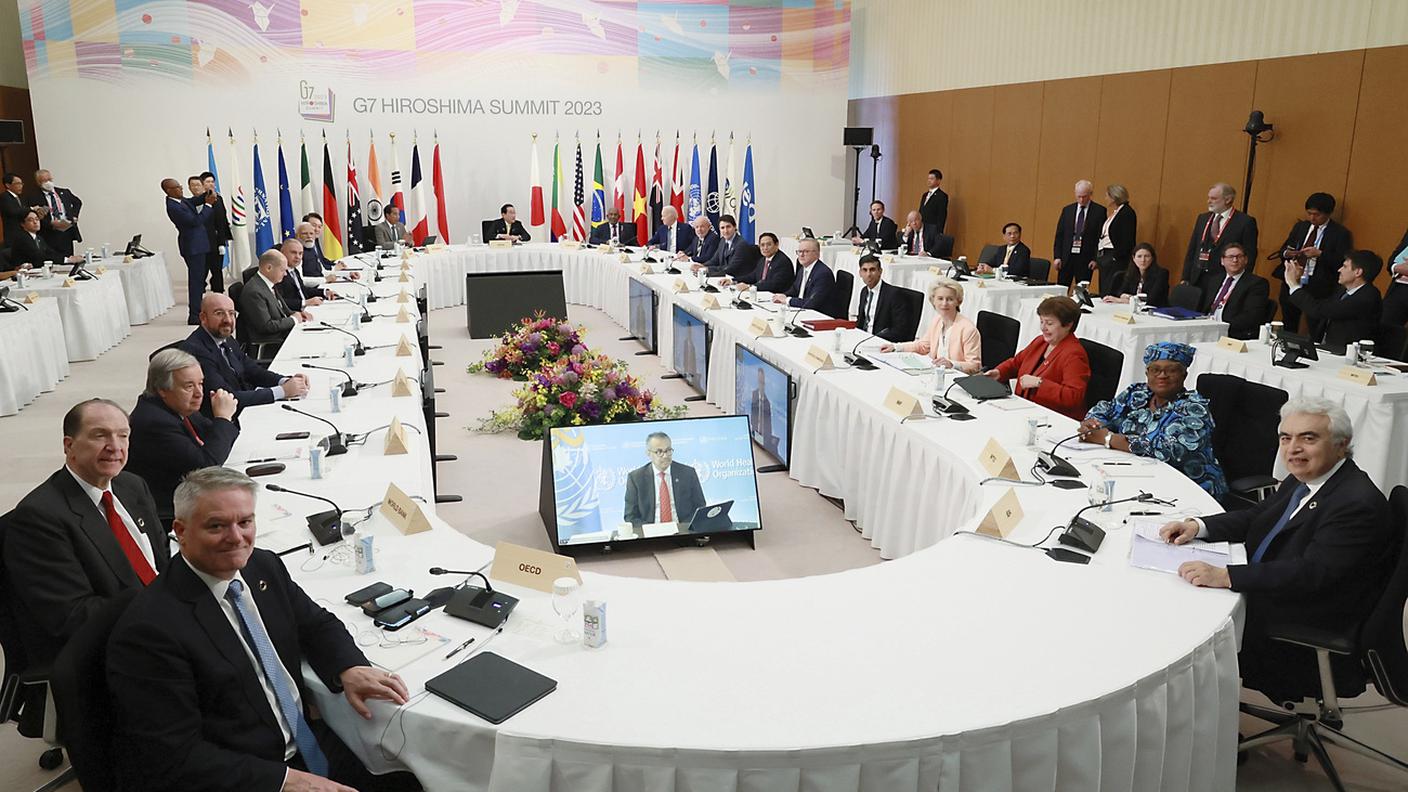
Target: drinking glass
567 603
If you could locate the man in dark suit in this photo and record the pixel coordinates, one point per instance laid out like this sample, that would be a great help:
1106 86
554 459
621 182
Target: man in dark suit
88 532
59 217
1319 244
220 234
1218 227
1396 300
315 264
772 270
12 206
205 666
266 315
760 414
814 284
1013 253
880 311
918 238
672 236
933 204
30 247
226 367
733 256
613 231
703 244
662 490
192 221
1350 313
1239 297
508 227
1077 236
170 437
1317 553
297 293
881 229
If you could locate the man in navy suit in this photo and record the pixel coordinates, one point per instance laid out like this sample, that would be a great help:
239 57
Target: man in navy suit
733 256
1319 245
672 236
613 231
705 242
814 283
662 490
881 229
1077 236
226 366
193 221
1317 553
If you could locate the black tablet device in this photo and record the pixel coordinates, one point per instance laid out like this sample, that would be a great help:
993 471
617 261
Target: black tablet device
490 686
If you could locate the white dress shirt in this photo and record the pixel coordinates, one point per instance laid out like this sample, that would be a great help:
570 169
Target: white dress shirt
1217 314
218 588
1105 243
669 485
96 495
804 274
1313 485
870 309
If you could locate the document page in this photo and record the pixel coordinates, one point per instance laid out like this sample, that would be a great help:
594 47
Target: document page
1148 551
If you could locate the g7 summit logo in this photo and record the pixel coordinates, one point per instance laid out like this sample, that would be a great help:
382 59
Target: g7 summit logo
315 104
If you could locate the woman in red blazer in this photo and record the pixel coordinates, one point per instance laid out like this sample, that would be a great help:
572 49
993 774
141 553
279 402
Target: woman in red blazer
1053 370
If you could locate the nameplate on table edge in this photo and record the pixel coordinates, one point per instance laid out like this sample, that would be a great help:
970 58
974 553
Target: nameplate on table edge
1004 516
530 567
996 461
403 511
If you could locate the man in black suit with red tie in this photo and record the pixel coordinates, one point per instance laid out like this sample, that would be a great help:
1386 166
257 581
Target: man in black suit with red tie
88 532
1317 553
1239 296
933 204
1319 244
1077 236
1218 227
772 271
613 231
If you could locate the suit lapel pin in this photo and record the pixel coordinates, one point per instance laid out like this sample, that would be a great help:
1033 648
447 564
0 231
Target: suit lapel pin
263 585
141 523
1312 505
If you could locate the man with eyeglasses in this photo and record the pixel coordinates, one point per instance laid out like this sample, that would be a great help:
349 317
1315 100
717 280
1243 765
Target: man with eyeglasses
1239 297
662 490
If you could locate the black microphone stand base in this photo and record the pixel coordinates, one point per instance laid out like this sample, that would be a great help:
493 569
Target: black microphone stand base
1082 534
349 389
326 526
489 608
334 444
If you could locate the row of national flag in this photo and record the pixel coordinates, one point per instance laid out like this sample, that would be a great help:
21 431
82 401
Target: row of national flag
700 193
324 198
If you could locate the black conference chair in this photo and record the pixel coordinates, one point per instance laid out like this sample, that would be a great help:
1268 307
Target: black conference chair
1106 364
991 255
1245 418
943 248
1379 644
486 228
163 348
914 301
1391 341
80 686
999 337
1039 270
841 298
1186 295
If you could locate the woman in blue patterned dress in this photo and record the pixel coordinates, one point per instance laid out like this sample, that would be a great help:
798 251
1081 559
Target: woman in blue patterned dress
1160 419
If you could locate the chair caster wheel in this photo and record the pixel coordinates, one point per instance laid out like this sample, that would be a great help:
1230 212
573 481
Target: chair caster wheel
1302 758
51 759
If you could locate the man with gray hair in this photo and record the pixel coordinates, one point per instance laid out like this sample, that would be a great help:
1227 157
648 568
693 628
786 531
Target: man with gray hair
1317 552
170 437
1218 227
1078 236
265 313
205 666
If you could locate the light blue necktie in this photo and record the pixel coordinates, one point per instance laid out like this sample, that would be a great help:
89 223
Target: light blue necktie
259 640
1296 497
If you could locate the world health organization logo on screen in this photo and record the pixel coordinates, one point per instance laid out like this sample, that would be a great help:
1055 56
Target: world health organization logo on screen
575 484
314 103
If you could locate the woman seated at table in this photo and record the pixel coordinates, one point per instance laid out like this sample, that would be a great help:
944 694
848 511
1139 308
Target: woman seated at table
952 340
1159 418
1143 276
1053 370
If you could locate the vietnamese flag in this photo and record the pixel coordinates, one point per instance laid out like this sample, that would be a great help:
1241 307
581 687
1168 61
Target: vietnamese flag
639 211
332 233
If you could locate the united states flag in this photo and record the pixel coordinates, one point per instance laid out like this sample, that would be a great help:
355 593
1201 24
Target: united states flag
579 215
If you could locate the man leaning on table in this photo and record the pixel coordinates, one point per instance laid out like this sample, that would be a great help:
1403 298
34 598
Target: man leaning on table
672 236
1317 552
1239 297
734 256
814 283
267 317
226 366
772 271
613 231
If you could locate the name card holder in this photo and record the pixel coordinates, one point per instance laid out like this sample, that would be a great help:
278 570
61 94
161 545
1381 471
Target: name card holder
404 349
760 328
1359 376
936 270
645 269
403 512
69 283
127 259
1122 317
818 359
31 298
1232 344
531 568
679 286
403 297
395 438
623 258
404 317
1003 517
569 244
500 244
902 403
405 277
996 461
709 302
603 248
100 271
401 386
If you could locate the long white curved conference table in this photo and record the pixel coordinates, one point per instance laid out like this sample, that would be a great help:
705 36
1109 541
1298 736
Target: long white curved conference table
964 663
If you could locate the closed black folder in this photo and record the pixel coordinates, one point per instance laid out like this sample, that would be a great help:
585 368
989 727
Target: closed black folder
490 686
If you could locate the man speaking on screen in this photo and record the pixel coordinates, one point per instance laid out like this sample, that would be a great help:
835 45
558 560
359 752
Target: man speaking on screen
662 491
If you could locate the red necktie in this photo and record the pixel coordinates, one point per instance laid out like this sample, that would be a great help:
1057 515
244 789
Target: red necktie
667 514
1214 227
127 543
190 427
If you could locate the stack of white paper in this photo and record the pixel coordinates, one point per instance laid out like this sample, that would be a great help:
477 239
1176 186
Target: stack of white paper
1148 551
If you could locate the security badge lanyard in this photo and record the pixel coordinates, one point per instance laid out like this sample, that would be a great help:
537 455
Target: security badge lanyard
1205 252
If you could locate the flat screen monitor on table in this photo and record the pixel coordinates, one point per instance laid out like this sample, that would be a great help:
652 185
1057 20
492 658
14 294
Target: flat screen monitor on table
763 392
601 484
642 314
691 342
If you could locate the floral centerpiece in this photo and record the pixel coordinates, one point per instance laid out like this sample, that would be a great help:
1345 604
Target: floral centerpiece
530 345
583 388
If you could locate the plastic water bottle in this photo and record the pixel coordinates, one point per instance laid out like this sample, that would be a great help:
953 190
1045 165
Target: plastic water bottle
107 249
836 340
349 356
315 462
335 398
1002 272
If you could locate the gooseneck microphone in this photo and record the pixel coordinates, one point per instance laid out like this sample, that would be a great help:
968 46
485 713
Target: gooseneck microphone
473 573
371 295
793 329
336 443
360 350
326 526
860 361
1052 465
349 388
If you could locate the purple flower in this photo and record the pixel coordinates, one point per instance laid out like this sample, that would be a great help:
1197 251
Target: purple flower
590 410
608 394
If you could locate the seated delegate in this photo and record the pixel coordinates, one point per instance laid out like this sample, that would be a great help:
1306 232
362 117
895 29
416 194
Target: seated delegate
1053 370
1143 276
508 226
662 490
1317 553
1160 418
952 341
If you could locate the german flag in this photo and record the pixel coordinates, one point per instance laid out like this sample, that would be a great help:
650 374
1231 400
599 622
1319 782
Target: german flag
332 231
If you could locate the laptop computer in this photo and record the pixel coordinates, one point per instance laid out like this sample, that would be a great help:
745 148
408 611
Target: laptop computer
983 388
712 518
490 686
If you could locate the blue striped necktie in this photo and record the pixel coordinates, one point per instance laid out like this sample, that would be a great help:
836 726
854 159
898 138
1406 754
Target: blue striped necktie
273 672
1296 497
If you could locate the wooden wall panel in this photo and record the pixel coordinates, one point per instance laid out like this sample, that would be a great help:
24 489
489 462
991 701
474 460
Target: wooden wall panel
1016 147
1069 112
1375 205
23 159
1132 122
926 123
968 169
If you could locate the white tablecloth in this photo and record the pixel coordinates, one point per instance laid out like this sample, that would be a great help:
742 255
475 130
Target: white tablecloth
94 312
147 284
1130 339
941 669
32 355
1379 412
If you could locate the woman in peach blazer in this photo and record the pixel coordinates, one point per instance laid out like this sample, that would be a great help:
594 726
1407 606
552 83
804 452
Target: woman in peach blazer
952 341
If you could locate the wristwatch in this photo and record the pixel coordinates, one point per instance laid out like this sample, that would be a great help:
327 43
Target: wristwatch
1108 435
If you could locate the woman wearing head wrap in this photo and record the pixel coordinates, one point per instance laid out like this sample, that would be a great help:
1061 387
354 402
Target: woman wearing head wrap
1160 419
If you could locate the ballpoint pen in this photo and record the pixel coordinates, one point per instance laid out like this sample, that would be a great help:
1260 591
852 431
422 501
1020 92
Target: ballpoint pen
459 648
